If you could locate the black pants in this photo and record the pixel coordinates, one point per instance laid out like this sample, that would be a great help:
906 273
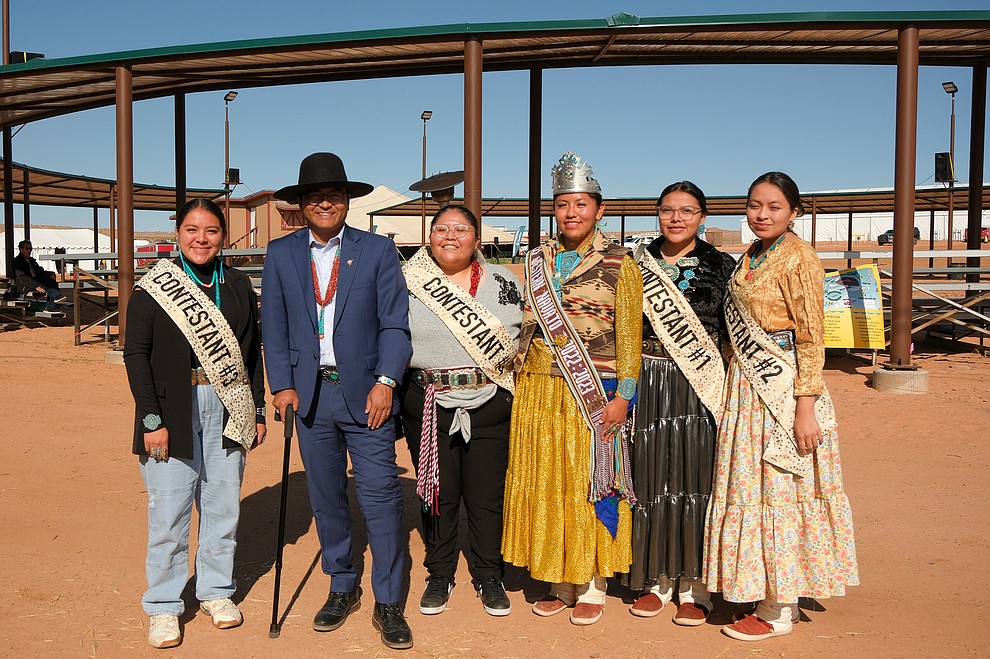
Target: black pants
472 471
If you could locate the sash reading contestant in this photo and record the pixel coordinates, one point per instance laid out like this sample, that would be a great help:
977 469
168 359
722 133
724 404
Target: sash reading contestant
193 359
680 389
779 522
568 492
335 317
464 315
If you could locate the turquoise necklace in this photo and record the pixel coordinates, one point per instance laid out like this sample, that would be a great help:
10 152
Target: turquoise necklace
217 277
564 264
684 267
754 264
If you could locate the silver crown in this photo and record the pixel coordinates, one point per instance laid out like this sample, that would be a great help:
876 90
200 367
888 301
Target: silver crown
571 174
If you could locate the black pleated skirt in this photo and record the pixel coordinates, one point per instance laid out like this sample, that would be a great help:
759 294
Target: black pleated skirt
672 457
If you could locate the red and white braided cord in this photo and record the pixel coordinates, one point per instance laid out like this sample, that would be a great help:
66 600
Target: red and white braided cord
428 470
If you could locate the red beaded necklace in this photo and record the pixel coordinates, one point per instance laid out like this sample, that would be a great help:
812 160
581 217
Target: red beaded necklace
475 278
331 291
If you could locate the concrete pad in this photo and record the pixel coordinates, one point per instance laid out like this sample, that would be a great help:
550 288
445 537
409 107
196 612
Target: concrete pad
900 381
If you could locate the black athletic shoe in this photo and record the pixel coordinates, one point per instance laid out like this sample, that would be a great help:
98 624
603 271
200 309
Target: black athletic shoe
388 619
336 609
434 599
493 597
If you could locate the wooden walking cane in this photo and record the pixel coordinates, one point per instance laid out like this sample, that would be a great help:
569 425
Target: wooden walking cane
290 416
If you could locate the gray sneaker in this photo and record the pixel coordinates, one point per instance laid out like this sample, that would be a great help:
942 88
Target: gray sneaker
163 631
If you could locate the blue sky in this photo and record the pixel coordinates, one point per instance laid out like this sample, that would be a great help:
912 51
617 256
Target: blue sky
830 127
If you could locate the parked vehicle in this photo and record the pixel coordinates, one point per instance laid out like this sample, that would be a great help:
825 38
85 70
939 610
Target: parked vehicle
887 237
984 234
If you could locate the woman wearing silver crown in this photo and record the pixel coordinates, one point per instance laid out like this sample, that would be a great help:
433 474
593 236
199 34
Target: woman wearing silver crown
680 389
568 494
464 316
779 524
193 358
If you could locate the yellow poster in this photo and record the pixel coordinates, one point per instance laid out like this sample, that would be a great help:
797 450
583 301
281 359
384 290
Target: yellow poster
854 308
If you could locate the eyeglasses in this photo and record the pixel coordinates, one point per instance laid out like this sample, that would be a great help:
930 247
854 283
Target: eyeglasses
317 198
458 230
684 213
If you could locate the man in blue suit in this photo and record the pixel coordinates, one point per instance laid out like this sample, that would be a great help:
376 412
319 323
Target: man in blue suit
335 328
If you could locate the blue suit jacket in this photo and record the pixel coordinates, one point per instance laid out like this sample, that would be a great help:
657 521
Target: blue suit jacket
370 323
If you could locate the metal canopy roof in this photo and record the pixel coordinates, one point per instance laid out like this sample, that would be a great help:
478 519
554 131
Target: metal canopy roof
46 88
865 201
58 189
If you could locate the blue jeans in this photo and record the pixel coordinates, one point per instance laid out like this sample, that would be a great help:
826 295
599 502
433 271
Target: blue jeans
212 478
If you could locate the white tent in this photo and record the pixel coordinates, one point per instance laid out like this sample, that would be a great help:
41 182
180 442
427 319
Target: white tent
45 241
867 226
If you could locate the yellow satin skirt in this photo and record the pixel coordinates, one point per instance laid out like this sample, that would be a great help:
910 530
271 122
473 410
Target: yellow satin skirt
549 525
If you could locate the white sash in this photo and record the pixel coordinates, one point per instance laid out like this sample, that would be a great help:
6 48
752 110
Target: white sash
683 335
214 343
482 335
771 370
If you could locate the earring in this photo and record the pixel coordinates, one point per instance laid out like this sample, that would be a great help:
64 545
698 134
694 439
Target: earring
701 229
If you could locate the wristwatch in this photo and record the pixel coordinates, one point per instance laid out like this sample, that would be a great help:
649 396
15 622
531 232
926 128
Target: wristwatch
152 422
386 380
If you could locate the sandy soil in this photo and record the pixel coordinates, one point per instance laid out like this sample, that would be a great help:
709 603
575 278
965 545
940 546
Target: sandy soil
74 533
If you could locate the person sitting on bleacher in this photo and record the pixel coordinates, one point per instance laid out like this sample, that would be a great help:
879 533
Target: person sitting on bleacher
31 278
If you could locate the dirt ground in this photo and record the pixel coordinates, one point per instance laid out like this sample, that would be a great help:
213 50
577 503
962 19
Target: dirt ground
74 533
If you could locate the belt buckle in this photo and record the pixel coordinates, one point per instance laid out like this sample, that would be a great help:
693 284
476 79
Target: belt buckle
460 379
330 374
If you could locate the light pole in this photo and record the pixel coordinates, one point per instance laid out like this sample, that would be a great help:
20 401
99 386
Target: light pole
951 89
228 97
425 117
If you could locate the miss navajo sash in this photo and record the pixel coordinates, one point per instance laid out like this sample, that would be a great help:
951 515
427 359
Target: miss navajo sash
683 335
482 335
607 473
214 343
770 370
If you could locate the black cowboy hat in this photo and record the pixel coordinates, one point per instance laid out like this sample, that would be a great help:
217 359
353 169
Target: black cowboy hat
318 170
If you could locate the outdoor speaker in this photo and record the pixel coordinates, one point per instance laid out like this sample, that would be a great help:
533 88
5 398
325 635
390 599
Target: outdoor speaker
943 168
233 176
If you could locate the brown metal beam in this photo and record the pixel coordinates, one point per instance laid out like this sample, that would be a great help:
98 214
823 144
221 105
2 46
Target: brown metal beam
905 151
26 206
535 142
180 151
977 146
472 124
125 196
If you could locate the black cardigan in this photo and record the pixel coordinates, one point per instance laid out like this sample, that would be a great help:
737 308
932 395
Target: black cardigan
159 360
707 288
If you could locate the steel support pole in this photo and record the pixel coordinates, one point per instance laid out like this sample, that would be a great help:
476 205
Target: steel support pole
125 196
8 203
952 172
26 204
180 151
535 143
977 150
8 167
422 194
814 221
849 240
472 125
96 229
905 152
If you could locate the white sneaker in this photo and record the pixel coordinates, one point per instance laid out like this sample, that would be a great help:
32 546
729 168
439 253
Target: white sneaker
224 612
163 631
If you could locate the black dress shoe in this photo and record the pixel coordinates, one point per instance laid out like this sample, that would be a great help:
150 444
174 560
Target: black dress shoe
388 619
335 611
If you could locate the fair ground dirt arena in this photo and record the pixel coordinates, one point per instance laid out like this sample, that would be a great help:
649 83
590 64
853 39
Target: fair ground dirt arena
74 531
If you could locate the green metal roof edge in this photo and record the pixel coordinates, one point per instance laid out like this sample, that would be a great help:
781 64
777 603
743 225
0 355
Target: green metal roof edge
94 179
617 21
